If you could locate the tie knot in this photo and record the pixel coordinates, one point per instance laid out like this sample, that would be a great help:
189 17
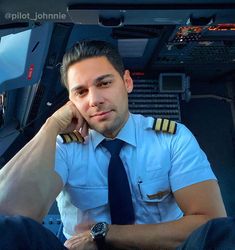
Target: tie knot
113 146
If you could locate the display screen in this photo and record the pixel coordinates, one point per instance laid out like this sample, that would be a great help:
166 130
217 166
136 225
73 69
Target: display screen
171 82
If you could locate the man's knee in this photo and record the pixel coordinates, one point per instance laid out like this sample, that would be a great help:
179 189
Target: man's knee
215 234
24 233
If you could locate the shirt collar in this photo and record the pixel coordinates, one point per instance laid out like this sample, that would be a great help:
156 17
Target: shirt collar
127 133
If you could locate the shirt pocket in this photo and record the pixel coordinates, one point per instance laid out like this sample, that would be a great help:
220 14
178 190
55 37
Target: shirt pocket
155 198
86 198
156 190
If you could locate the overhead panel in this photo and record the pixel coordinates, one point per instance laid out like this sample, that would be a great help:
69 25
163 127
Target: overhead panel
132 47
116 15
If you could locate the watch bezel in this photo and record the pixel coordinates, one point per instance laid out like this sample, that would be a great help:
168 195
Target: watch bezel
101 233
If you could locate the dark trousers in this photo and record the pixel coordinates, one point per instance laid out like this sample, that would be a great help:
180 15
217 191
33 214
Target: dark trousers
21 233
217 234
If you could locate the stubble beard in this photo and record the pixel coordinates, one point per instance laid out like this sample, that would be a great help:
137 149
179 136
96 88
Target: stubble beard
108 128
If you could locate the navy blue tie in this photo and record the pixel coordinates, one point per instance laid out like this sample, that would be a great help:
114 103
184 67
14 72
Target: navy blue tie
120 201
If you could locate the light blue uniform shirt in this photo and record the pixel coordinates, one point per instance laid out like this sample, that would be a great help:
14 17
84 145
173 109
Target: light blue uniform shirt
157 164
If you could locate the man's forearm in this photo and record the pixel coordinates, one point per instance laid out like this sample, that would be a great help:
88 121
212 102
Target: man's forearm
167 235
28 182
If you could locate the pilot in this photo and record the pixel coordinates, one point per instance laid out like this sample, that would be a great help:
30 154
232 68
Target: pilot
124 180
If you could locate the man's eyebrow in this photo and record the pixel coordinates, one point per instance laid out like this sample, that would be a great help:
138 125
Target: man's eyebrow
97 80
76 88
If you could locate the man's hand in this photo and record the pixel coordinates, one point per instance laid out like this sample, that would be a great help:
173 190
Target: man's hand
68 118
81 241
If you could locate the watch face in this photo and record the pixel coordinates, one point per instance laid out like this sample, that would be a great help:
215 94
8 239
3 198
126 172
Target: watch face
99 230
98 227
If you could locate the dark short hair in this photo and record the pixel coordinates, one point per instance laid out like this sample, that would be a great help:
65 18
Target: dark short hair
88 49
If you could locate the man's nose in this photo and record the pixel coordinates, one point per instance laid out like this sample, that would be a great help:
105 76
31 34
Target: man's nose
95 98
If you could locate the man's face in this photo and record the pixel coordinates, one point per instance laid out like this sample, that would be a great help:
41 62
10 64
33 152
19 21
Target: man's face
100 94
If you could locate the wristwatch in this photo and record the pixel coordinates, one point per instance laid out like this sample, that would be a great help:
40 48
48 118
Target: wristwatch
98 233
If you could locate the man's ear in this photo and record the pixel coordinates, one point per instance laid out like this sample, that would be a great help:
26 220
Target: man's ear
128 81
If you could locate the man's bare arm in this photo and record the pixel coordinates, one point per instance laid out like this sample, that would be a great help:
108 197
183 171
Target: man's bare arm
199 202
28 182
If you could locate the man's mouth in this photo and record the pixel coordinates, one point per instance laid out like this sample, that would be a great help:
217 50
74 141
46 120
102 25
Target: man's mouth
102 114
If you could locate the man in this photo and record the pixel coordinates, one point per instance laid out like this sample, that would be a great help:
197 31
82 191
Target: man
173 189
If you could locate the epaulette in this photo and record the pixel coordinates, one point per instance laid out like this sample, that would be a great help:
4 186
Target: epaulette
74 136
164 125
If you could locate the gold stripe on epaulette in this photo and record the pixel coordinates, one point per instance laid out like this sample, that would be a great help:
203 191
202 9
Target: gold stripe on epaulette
172 127
66 138
79 136
158 124
164 125
74 136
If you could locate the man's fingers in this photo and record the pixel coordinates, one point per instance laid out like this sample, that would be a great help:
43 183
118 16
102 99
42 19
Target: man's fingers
76 241
68 118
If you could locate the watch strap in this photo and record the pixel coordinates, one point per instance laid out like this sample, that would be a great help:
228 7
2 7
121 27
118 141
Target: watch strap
100 243
98 233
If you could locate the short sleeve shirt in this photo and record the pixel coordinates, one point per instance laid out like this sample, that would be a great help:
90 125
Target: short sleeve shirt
157 164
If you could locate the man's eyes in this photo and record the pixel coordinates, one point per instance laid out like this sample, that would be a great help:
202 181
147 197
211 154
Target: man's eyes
104 83
80 92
